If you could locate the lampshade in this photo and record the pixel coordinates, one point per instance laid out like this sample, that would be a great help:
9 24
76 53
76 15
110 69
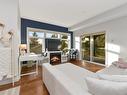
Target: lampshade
23 46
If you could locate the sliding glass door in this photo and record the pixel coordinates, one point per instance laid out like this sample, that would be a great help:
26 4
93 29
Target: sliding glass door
93 47
99 48
86 48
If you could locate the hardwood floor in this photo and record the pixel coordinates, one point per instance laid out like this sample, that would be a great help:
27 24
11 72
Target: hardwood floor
88 66
33 84
29 85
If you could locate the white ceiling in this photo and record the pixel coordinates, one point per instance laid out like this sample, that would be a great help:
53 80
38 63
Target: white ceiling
65 12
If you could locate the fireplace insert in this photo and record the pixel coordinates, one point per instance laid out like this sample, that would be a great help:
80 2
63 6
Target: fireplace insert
55 58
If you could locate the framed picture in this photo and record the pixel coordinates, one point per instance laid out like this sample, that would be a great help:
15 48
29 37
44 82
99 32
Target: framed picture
1 29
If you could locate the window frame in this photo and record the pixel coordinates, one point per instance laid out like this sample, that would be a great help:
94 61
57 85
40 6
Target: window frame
46 31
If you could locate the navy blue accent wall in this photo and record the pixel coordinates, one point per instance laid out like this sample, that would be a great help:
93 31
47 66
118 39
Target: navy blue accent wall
40 25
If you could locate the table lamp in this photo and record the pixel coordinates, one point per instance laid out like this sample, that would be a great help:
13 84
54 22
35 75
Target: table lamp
23 49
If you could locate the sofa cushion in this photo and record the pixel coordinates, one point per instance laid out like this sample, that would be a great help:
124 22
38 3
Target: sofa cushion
104 87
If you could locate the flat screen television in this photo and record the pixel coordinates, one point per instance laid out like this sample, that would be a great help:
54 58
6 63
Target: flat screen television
52 44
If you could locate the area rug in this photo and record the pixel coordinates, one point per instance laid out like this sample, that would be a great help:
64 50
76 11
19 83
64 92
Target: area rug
11 91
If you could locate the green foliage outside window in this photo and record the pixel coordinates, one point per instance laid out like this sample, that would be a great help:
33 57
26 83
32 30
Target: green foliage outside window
64 37
86 47
64 43
54 36
99 46
64 46
35 46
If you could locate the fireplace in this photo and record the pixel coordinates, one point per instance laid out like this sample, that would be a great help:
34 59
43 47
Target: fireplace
55 58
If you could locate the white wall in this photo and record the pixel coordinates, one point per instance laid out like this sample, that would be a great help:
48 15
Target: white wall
10 16
116 36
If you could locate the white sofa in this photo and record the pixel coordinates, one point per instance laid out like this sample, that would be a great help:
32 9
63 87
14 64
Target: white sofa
69 79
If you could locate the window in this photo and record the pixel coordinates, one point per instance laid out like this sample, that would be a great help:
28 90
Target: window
93 47
37 38
65 43
36 42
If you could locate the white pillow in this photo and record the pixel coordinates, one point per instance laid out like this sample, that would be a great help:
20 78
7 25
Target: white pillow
117 78
104 87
